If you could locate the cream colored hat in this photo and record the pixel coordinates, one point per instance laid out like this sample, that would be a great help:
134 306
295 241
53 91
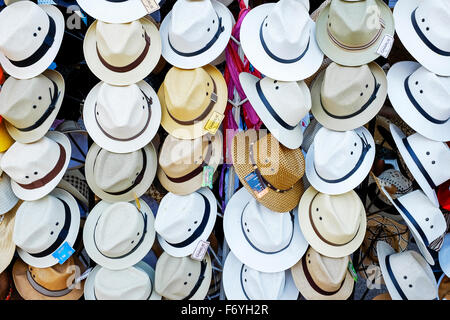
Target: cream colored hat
122 53
319 277
334 225
30 38
30 106
120 176
122 119
182 278
7 197
7 245
35 169
190 98
182 162
349 32
345 98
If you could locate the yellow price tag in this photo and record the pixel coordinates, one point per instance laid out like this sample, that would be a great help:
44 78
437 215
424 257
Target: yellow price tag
138 204
214 122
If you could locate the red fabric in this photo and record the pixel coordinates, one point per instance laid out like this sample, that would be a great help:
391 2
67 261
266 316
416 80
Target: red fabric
443 194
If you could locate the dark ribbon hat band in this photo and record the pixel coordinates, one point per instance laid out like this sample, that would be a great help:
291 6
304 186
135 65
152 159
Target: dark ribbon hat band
413 221
242 283
46 292
199 280
42 50
313 285
392 277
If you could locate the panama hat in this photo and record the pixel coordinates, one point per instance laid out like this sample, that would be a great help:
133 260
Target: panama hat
194 33
36 168
7 197
407 275
444 287
334 225
427 160
122 53
271 172
7 245
122 119
182 163
190 99
120 176
281 106
118 235
31 36
182 278
422 27
350 32
279 40
444 255
133 283
182 221
345 98
53 283
5 139
38 236
337 162
241 282
30 106
260 238
421 98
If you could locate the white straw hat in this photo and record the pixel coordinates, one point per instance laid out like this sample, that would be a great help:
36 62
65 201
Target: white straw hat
7 197
444 255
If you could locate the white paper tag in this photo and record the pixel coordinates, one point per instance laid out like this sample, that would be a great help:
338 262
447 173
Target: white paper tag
200 250
150 5
83 276
385 46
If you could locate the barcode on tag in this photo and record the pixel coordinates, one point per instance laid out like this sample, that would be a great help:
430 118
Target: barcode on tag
150 5
214 122
385 46
200 250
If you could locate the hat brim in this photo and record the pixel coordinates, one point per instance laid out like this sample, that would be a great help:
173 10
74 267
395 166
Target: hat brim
139 190
122 78
291 139
198 129
205 57
247 254
232 281
49 260
356 121
444 255
351 182
43 63
188 250
40 131
38 193
357 57
413 43
314 240
406 110
117 146
7 197
7 245
254 50
124 262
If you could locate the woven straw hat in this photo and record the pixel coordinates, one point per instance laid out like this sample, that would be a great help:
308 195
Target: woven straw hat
7 245
5 139
277 169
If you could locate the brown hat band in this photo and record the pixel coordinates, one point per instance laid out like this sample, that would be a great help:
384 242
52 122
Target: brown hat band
313 284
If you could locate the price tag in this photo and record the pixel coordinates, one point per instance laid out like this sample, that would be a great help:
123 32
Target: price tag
214 122
256 184
63 253
352 270
207 180
200 250
386 45
150 5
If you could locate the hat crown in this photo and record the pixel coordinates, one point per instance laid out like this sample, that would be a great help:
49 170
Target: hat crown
120 44
432 18
57 277
263 285
119 229
128 284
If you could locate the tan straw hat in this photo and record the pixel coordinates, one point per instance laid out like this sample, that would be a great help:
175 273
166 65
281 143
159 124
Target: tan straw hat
7 245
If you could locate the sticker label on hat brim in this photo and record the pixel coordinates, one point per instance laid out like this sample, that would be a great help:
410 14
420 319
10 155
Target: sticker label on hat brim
352 271
63 253
200 250
257 186
150 5
207 179
385 46
213 124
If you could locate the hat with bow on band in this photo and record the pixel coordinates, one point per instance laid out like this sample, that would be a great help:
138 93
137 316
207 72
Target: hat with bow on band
31 36
38 236
182 163
120 176
279 40
136 282
182 221
122 119
423 28
262 239
190 99
406 274
194 33
182 278
5 139
7 245
345 98
36 168
444 255
281 106
122 53
427 160
421 98
118 235
241 282
30 106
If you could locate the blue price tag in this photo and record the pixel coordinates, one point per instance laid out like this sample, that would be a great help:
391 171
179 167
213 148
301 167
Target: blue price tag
63 253
256 184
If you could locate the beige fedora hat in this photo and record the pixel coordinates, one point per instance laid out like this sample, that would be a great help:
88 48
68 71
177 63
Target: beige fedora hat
350 31
30 106
334 225
122 53
120 176
190 98
7 245
345 98
319 277
182 162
